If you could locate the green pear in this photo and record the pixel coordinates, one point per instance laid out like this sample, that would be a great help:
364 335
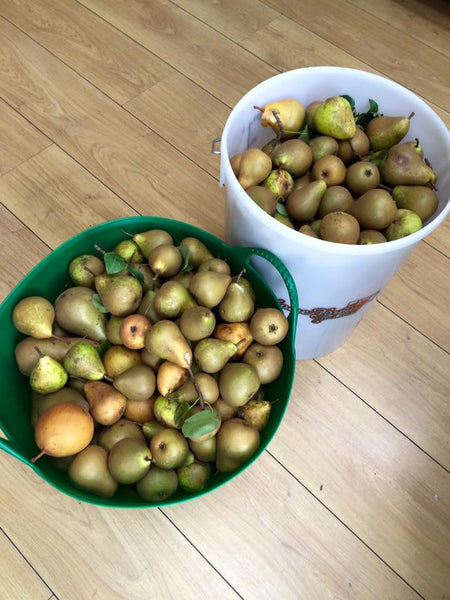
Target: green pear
384 132
151 428
237 441
405 223
147 306
419 198
404 166
147 240
157 485
192 478
238 382
48 375
89 471
129 251
172 299
197 322
323 145
280 182
165 260
237 305
334 117
129 460
164 339
136 383
256 412
119 294
76 313
84 269
123 428
169 449
34 316
294 155
83 360
209 287
205 449
212 354
169 412
198 252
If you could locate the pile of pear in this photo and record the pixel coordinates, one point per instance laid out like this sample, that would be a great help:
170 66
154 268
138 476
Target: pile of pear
153 376
343 182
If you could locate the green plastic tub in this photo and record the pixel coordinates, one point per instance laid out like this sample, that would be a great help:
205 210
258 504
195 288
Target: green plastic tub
50 277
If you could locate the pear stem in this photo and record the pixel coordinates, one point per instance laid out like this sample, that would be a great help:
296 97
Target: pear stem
411 115
97 247
197 388
38 456
279 123
240 274
259 108
126 233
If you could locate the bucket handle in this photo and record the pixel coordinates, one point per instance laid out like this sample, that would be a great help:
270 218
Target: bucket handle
214 144
247 253
11 448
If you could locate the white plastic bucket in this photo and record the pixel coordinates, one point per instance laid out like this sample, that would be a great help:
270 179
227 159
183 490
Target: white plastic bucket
336 283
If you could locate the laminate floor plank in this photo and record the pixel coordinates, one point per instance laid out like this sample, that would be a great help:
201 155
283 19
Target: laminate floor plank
440 238
370 476
402 375
419 294
210 59
106 57
377 43
124 154
85 551
19 140
18 580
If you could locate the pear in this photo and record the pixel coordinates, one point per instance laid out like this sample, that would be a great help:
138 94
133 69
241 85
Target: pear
165 260
237 305
238 333
255 166
166 341
355 147
150 428
84 269
329 168
147 306
340 228
123 428
288 113
405 223
48 375
371 236
89 472
34 316
418 198
374 210
193 478
302 204
147 240
106 404
183 277
209 287
280 182
284 219
83 360
295 156
334 117
76 313
42 402
148 277
118 359
132 331
216 264
271 146
302 181
151 359
197 322
264 198
129 251
63 430
404 166
267 360
136 383
170 377
306 230
323 145
198 252
157 485
384 132
212 354
172 299
188 392
237 441
335 198
225 410
310 112
361 177
120 294
129 460
113 329
140 411
169 412
204 450
256 412
235 162
169 449
238 382
269 326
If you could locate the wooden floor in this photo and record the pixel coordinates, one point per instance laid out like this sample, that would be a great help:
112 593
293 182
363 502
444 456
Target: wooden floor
108 109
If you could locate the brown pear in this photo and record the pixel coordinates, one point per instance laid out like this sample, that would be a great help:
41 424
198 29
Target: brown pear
106 404
132 331
170 377
385 131
303 203
238 333
404 166
254 167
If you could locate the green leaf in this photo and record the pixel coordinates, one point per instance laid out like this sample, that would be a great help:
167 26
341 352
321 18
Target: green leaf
103 347
350 100
378 157
185 254
373 107
201 423
98 303
304 134
282 209
136 273
113 263
181 411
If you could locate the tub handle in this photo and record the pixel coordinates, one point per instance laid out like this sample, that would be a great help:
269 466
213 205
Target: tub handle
247 253
11 448
214 144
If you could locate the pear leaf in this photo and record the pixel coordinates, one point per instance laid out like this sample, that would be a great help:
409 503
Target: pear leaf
185 254
350 100
378 157
98 303
305 135
181 411
363 118
201 423
113 263
136 273
281 209
103 347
